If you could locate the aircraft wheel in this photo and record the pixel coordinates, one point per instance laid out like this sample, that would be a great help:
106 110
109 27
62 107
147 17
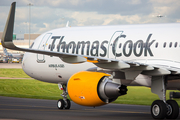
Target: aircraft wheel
173 109
60 104
67 104
158 109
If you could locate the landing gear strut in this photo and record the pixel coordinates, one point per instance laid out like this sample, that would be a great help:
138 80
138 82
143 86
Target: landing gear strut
63 103
161 109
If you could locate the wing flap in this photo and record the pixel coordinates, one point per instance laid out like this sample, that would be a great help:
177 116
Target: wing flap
74 59
113 65
157 72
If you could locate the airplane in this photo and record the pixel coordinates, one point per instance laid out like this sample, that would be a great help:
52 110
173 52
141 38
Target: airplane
10 55
94 65
159 16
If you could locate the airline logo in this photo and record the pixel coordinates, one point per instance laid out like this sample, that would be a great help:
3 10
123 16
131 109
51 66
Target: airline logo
138 48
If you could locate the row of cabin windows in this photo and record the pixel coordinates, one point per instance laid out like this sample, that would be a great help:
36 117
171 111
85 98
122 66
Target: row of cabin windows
156 45
170 44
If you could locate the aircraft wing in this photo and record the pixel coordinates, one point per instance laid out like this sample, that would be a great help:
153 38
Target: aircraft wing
105 63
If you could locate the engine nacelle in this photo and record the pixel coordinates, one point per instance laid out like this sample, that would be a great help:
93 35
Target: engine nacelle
93 88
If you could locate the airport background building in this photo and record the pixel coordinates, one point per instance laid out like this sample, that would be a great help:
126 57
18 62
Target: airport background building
20 41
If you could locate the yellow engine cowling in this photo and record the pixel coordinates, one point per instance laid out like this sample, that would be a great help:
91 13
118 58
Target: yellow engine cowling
92 88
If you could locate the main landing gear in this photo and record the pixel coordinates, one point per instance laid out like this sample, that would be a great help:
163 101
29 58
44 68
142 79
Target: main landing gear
63 103
161 109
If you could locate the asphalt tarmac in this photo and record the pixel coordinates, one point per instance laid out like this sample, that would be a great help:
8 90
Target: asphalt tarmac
10 65
35 109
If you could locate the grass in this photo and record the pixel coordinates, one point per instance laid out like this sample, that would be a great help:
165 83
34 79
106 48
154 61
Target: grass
140 96
13 73
30 88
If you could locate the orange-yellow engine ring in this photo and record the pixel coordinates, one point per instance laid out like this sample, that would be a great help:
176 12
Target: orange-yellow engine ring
82 88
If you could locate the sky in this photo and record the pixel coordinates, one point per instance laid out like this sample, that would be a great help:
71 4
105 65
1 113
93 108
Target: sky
51 14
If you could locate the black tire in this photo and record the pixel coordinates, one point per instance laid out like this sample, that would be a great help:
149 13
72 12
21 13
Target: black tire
67 104
60 104
158 109
174 109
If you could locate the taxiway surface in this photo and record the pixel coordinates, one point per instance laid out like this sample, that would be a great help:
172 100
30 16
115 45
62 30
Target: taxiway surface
22 108
10 65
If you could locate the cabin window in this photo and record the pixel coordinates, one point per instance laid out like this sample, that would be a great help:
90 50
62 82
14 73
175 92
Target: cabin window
164 45
120 45
175 45
156 45
170 44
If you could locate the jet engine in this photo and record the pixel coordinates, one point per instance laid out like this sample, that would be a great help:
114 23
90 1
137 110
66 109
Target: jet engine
93 88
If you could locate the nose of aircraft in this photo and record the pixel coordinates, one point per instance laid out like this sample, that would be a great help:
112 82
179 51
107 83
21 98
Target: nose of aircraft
27 64
24 61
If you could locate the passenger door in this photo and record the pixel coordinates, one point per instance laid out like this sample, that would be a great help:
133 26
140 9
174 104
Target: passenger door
40 57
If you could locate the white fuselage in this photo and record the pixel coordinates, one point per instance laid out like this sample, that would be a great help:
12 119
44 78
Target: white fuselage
154 44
